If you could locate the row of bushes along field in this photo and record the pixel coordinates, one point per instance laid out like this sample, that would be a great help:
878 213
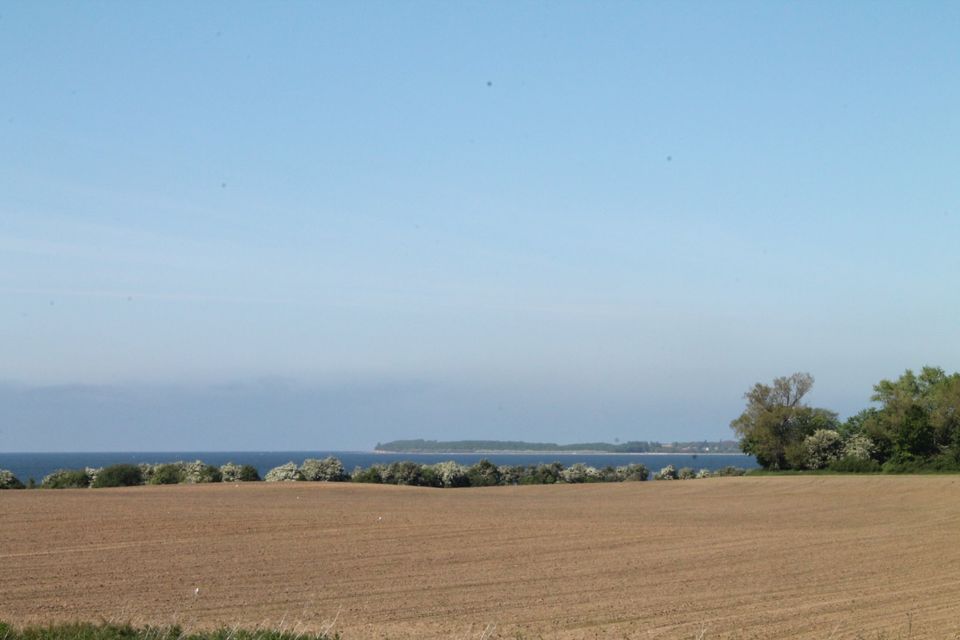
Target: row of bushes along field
126 475
442 474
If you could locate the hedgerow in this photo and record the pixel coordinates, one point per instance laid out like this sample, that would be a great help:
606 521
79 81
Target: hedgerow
447 474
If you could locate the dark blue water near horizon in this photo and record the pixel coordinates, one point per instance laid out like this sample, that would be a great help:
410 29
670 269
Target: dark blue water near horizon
37 465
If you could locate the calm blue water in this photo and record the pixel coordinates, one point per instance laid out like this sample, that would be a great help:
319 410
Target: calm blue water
37 465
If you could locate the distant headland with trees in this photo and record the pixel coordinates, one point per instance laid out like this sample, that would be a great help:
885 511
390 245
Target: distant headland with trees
512 446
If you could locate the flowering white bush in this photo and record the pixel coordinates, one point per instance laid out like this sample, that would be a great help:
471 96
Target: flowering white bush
284 473
822 447
231 472
199 471
580 472
329 469
451 474
859 447
9 481
703 473
669 472
146 471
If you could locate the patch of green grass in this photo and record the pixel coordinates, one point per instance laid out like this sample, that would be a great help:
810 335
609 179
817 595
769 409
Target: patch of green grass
796 472
107 631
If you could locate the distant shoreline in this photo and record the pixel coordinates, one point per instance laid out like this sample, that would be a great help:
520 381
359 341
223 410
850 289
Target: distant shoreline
521 447
542 452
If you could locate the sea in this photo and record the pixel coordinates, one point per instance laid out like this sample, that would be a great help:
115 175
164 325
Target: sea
37 465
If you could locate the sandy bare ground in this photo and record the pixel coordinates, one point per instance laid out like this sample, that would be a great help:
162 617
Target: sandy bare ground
805 557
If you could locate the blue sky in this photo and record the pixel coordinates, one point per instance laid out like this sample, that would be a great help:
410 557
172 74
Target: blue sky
320 225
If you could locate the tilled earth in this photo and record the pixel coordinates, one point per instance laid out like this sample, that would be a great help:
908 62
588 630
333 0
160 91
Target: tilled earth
805 557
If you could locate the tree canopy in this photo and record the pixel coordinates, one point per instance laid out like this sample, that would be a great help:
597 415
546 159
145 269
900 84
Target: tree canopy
918 419
914 427
776 421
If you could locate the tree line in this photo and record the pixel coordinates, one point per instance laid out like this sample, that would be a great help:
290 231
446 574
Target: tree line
914 427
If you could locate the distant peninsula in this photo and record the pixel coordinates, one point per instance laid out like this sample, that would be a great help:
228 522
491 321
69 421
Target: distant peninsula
513 446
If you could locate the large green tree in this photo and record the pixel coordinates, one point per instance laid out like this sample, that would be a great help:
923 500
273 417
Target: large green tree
776 421
919 417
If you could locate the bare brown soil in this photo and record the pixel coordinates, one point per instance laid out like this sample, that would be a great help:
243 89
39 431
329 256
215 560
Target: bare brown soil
804 557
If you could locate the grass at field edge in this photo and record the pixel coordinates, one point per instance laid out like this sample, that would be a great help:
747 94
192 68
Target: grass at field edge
111 631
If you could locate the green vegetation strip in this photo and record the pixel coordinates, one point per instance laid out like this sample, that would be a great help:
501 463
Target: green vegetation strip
915 427
107 631
440 475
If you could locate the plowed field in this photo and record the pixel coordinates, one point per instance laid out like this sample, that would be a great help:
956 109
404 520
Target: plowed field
805 557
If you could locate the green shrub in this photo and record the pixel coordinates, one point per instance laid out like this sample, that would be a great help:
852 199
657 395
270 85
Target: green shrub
429 477
119 475
903 463
947 460
168 473
484 474
794 457
607 474
66 479
406 473
686 473
632 473
248 473
370 475
9 481
549 473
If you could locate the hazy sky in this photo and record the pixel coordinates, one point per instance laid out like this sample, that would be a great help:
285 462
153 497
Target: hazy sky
320 225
